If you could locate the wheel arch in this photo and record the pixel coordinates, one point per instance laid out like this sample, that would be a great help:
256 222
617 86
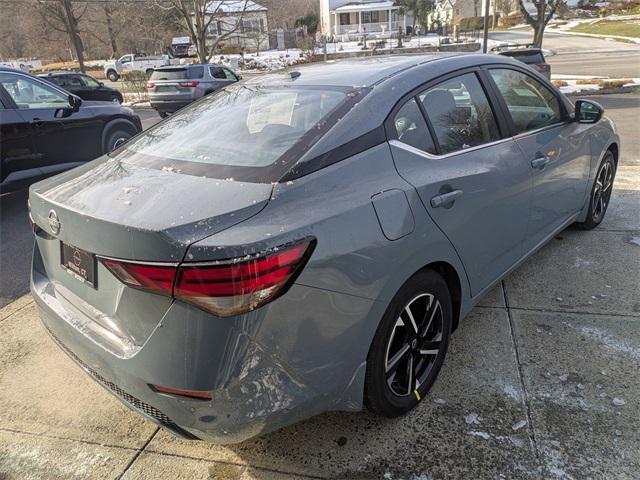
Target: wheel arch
613 147
615 150
452 279
114 125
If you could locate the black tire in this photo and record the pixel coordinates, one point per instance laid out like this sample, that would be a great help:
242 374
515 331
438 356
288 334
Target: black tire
116 139
600 193
163 114
113 76
385 391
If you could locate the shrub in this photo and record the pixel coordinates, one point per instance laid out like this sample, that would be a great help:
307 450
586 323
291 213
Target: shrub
472 23
231 49
134 85
559 83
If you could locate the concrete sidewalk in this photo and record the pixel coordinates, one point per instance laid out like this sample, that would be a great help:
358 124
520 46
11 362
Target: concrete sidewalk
542 381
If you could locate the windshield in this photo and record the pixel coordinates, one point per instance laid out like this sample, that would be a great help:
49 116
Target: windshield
241 129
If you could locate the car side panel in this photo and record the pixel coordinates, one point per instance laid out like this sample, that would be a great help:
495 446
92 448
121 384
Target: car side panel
352 259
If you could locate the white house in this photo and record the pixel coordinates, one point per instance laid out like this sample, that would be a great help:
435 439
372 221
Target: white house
247 20
345 17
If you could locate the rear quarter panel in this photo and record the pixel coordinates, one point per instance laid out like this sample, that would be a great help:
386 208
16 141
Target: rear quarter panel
354 272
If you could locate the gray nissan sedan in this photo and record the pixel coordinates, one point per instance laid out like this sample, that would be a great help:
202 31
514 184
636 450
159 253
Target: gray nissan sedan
307 241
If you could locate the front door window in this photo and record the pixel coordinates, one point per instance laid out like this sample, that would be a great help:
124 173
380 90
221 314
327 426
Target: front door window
530 104
28 93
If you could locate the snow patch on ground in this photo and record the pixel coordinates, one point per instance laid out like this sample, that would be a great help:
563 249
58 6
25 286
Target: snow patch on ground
611 343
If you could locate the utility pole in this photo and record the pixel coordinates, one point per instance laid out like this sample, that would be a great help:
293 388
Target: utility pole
485 39
72 29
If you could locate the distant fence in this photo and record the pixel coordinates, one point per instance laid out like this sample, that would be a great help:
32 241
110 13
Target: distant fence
451 47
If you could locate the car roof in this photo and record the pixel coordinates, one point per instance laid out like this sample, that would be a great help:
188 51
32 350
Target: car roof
5 68
186 65
60 73
369 71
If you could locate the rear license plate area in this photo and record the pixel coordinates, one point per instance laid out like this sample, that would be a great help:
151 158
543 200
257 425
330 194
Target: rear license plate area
79 263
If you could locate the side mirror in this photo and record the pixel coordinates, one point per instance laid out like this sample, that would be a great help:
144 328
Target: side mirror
588 111
75 103
239 77
101 84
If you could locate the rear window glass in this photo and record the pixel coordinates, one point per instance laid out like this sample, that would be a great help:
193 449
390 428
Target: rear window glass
169 74
238 128
527 57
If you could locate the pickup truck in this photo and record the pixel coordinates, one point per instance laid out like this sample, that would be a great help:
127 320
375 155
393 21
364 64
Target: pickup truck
135 62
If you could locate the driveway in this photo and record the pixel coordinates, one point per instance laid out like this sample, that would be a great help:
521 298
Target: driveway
542 381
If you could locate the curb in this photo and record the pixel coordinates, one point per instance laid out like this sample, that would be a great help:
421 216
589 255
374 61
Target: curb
604 91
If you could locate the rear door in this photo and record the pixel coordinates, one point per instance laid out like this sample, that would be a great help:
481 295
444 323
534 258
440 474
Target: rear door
553 145
448 142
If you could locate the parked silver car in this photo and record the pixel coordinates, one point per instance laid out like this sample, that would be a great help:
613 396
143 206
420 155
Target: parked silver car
171 88
307 241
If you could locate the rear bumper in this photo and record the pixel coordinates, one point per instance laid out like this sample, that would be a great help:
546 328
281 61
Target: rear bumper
262 373
170 106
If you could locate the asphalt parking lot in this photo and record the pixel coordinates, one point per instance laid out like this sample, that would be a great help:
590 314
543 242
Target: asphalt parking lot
542 381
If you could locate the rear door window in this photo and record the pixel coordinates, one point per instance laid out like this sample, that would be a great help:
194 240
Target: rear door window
530 104
460 113
74 81
411 127
217 72
196 72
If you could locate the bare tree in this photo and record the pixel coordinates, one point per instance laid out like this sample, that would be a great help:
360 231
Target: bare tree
544 12
61 16
199 15
260 37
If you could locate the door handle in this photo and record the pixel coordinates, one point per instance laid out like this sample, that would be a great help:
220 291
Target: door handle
540 162
445 198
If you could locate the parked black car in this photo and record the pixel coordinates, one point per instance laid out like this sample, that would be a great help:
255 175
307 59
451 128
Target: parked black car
84 86
526 54
45 130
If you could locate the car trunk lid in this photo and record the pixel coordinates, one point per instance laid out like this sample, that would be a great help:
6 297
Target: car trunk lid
111 209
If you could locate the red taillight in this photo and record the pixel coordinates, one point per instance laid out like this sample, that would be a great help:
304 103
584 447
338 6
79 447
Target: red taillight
232 287
153 278
151 85
188 84
197 394
223 288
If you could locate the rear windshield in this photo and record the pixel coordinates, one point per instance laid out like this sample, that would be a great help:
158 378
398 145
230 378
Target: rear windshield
526 57
250 133
178 73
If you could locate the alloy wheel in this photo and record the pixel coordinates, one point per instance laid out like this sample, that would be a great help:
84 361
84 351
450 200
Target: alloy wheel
602 191
414 344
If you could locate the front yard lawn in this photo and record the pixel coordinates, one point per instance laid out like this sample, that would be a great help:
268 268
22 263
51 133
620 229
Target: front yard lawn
609 27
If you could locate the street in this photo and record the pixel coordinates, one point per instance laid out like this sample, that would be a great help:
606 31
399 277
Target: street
541 380
577 55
